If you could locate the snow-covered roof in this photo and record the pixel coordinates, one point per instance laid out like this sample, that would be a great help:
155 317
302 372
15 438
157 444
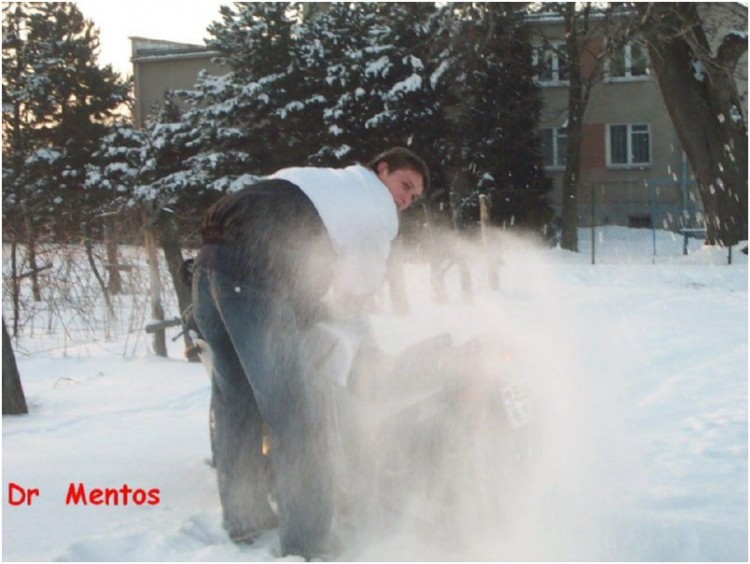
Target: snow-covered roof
146 48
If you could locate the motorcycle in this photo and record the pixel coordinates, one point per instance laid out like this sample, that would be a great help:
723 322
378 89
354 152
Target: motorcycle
434 438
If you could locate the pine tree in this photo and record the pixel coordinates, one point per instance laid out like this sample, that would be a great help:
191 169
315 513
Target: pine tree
254 38
59 101
454 82
115 167
244 118
231 131
374 88
145 172
331 79
490 106
113 173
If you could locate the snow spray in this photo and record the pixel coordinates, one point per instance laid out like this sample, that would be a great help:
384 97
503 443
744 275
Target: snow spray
549 502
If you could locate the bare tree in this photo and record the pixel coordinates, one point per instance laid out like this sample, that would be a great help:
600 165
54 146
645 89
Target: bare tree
700 92
577 36
580 55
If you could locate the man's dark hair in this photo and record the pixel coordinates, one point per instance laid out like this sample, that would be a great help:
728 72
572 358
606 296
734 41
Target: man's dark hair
398 158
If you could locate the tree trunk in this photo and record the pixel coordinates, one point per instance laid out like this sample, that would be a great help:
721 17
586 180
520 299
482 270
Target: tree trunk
577 102
31 251
114 279
157 309
705 109
15 283
89 247
170 243
14 401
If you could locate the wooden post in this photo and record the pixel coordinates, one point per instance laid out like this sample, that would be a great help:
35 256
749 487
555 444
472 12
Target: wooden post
114 280
466 286
397 280
435 252
484 222
593 224
463 269
152 254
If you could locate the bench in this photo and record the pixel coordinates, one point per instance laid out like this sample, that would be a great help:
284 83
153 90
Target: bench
694 232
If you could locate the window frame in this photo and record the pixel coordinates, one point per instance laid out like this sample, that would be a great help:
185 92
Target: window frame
629 137
628 75
557 132
553 47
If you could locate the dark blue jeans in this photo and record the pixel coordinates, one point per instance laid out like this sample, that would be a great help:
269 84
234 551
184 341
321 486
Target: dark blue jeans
258 376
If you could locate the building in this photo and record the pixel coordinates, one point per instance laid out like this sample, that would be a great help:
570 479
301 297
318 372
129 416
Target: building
160 66
633 168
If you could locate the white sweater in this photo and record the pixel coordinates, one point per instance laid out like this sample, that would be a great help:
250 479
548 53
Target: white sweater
360 216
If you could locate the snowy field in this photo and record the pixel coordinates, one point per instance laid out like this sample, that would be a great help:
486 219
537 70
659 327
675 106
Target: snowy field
640 371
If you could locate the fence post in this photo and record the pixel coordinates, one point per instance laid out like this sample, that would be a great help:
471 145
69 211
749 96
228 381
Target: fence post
593 224
685 241
397 281
654 209
114 280
467 289
155 289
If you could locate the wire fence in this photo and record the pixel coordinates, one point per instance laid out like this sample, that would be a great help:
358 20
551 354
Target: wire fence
614 228
607 244
70 308
653 222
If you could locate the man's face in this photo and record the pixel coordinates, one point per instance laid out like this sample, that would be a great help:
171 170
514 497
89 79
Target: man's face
405 185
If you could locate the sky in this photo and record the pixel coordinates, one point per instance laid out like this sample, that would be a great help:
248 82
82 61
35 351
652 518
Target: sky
173 20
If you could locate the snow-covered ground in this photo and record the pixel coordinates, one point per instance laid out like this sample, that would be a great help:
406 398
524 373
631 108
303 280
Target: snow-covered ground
641 376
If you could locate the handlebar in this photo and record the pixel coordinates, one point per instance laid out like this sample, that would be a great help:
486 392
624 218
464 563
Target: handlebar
160 325
187 323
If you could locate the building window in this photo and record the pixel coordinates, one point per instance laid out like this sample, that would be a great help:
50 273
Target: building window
629 144
554 141
551 63
628 62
